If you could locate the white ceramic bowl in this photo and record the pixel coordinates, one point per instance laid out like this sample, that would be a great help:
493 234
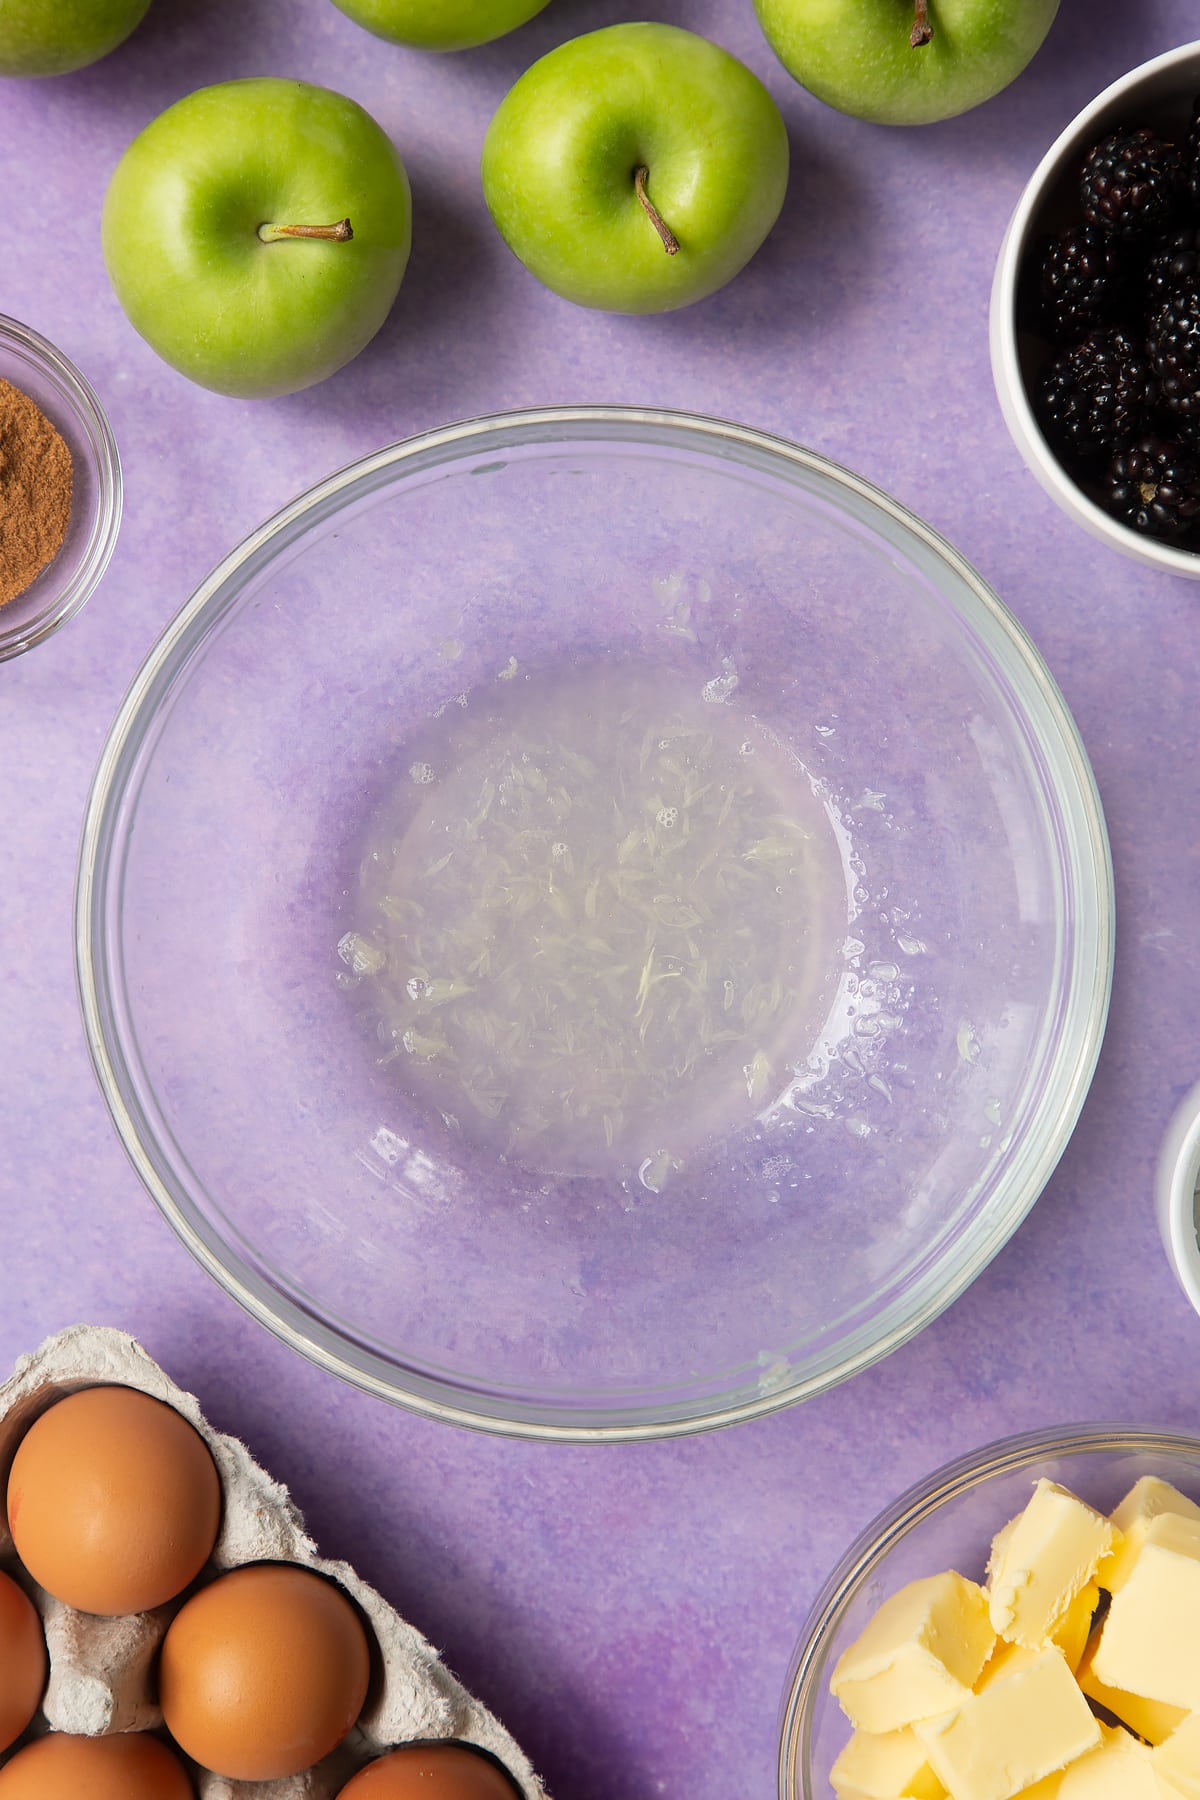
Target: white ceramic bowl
1158 93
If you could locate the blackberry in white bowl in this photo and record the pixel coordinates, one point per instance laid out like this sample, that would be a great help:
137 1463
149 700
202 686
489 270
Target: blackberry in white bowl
1095 315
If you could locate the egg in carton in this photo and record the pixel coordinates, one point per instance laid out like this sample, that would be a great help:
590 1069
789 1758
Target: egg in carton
102 1670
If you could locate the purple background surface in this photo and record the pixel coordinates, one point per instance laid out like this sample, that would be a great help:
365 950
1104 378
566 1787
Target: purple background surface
628 1611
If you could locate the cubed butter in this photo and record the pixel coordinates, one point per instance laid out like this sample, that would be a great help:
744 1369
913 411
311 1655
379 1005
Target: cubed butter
1151 1719
891 1765
1150 1641
1046 1789
1118 1768
1042 1561
1026 1724
1004 1658
1074 1628
1177 1760
996 1553
1145 1500
1071 1637
920 1654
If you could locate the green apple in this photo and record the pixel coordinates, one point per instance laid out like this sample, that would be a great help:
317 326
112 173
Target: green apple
440 24
256 234
636 168
52 37
905 62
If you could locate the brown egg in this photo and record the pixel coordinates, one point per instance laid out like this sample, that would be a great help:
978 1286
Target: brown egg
113 1501
263 1672
430 1772
132 1767
22 1661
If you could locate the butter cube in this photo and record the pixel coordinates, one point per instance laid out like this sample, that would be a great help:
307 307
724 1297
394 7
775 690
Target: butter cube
1070 1636
1074 1628
1025 1725
1119 1768
1177 1761
1145 1500
999 1545
891 1765
919 1655
1149 1643
1046 1789
1042 1561
1004 1659
1151 1719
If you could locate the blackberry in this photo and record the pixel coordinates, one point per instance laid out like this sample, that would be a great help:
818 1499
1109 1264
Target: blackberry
1173 261
1095 396
1173 344
1153 486
1191 154
1133 184
1083 281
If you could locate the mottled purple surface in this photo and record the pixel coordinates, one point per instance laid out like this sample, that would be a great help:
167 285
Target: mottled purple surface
628 1611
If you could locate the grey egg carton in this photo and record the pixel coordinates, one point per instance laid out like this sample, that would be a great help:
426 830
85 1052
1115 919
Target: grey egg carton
102 1670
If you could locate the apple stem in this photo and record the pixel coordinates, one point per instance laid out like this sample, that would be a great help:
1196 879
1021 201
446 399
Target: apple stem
341 233
670 242
922 30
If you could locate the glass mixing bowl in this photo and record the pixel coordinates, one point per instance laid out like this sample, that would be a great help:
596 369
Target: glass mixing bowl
948 1522
881 1155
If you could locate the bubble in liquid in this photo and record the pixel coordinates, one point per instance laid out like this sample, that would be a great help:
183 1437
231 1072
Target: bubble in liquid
360 955
718 690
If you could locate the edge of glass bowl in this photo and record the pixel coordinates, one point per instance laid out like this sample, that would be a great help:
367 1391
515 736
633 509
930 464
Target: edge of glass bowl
1086 850
94 425
887 1528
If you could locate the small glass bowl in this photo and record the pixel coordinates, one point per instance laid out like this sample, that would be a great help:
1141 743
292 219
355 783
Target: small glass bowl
947 1522
1158 93
32 364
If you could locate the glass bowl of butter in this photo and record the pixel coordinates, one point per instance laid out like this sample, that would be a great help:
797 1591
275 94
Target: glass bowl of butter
1024 1622
594 923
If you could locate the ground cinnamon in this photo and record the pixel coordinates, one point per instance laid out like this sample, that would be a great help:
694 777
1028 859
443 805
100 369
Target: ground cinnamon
35 491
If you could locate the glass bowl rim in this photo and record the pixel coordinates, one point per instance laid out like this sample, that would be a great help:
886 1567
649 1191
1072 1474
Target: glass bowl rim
167 662
924 1497
95 428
